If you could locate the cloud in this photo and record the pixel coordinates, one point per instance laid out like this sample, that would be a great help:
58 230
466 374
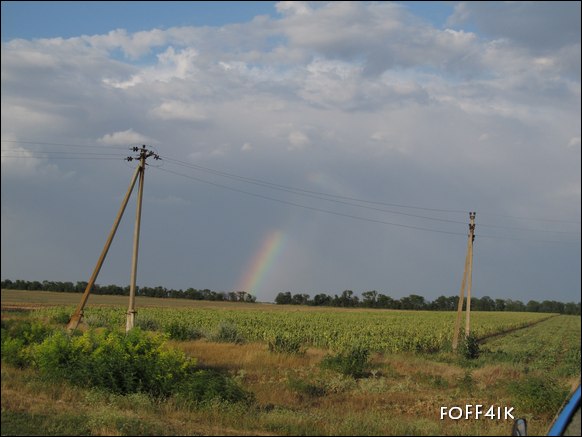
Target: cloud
125 138
540 26
17 161
357 99
178 110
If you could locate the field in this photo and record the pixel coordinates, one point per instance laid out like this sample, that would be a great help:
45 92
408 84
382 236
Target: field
276 353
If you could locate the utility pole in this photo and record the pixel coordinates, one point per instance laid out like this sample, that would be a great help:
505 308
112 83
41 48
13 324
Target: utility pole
466 284
75 319
131 310
470 275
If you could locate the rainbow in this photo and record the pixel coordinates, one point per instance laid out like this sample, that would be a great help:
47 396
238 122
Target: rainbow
262 263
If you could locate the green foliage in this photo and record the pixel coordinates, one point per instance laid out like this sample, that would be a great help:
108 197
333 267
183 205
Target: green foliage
352 362
130 363
379 331
286 344
306 388
182 331
27 423
228 333
147 323
466 383
470 347
14 351
29 331
205 386
537 395
61 317
17 335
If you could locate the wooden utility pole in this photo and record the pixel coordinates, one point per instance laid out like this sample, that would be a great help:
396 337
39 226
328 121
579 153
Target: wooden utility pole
139 171
131 310
466 284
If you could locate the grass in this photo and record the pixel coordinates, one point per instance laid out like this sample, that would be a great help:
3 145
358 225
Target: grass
400 394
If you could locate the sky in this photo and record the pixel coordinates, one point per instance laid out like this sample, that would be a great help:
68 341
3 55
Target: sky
306 147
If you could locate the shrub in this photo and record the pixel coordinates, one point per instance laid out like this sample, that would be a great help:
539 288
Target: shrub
352 362
286 344
130 363
307 388
228 333
17 335
28 331
182 331
470 347
205 386
14 352
60 317
537 395
147 323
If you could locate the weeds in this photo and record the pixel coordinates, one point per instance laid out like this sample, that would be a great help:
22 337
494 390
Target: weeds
352 362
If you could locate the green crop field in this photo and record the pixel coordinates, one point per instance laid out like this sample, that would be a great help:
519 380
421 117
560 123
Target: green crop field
296 364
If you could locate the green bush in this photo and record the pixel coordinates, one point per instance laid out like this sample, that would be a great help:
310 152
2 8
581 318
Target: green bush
147 323
352 362
205 386
14 352
310 389
136 362
182 331
17 335
28 331
537 395
470 347
286 344
61 317
228 333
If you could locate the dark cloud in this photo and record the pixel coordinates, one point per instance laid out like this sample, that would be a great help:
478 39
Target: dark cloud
540 26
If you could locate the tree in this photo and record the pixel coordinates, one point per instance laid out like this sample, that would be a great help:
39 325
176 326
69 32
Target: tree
514 305
412 302
572 308
348 299
300 299
370 299
441 303
321 299
387 302
499 305
486 304
283 298
533 306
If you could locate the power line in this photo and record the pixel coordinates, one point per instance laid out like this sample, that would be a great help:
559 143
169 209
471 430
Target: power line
338 199
285 202
300 190
334 198
26 153
549 220
42 143
311 208
60 157
307 193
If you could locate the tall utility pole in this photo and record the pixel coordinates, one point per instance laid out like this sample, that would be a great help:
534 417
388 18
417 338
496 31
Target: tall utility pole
131 310
466 284
75 319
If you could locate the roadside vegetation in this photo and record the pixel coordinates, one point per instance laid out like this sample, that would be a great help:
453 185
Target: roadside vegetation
209 371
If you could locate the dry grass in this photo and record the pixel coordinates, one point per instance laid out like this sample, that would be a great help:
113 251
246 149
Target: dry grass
401 396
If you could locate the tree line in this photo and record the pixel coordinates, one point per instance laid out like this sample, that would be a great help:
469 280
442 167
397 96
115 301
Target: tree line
373 299
347 299
79 287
